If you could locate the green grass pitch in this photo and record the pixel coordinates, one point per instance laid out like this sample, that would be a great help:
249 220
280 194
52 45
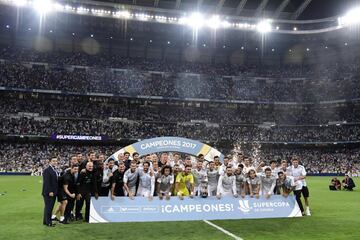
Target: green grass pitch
336 215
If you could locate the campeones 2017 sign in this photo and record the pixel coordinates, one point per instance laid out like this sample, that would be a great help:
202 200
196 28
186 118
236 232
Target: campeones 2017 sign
171 144
123 209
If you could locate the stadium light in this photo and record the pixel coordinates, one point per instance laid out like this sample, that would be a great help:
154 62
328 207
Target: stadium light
196 20
214 22
351 17
225 24
20 3
43 6
264 26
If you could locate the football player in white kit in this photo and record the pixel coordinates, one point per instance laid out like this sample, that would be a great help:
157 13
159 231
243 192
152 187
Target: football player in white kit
146 182
165 183
130 179
213 177
240 180
284 184
268 183
200 176
254 183
227 184
299 174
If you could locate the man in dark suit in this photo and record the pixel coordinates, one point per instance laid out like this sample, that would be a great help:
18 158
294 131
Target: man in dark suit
50 190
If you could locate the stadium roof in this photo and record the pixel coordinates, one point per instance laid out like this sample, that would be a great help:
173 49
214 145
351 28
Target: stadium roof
283 9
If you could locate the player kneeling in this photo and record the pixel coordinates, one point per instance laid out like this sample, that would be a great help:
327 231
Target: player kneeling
284 184
227 184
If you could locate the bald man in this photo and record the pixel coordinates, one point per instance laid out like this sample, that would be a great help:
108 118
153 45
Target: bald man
87 187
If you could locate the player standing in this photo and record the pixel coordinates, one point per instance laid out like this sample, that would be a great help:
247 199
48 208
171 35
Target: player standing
268 183
131 179
213 178
165 183
254 183
184 184
227 184
299 174
146 182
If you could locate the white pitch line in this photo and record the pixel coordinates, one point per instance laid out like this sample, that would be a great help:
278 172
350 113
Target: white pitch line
223 230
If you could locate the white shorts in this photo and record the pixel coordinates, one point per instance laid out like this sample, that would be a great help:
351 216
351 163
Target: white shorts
143 192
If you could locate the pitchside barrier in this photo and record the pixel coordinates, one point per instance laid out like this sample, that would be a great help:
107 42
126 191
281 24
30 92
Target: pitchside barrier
141 209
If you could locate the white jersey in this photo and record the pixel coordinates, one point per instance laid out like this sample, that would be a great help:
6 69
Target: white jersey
131 177
240 180
213 178
165 184
146 184
254 183
296 173
268 184
288 183
227 185
199 176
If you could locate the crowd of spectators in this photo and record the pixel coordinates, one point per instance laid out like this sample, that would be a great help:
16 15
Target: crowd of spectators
178 80
32 157
102 108
139 130
81 73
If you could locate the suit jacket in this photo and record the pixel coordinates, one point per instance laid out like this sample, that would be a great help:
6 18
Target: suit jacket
351 183
50 181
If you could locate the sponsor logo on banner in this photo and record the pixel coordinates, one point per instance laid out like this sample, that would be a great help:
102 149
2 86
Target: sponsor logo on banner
244 206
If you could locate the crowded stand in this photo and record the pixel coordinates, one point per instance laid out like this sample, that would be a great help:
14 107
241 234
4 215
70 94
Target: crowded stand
140 130
104 108
82 73
24 114
32 157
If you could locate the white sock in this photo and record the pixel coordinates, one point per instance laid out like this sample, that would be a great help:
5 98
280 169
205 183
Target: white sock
53 216
62 218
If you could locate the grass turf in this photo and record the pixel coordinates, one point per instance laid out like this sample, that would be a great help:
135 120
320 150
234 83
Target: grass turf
335 216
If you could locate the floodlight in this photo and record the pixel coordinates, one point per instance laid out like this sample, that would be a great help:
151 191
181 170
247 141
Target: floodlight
43 6
214 22
20 3
264 26
123 14
196 20
352 17
225 24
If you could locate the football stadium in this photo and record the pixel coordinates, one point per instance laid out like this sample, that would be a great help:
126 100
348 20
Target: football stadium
179 119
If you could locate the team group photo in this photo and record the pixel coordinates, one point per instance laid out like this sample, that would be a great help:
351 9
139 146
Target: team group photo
179 119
